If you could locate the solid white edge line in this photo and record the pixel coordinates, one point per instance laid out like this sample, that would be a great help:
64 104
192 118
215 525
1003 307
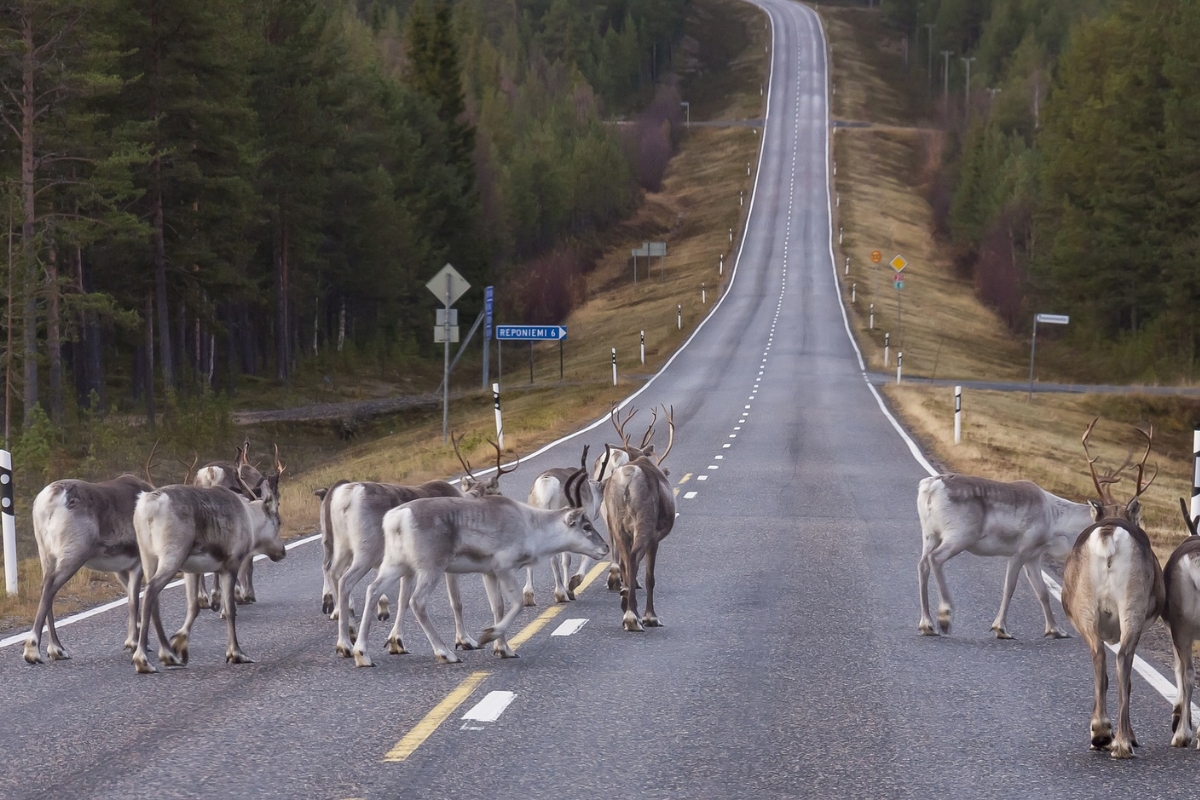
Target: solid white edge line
490 707
20 638
1152 676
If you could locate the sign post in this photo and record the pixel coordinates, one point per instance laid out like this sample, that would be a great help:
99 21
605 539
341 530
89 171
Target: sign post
1044 319
531 334
488 301
447 286
643 251
658 249
9 520
899 263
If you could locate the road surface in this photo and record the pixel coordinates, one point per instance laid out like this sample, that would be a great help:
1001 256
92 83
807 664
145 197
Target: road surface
789 665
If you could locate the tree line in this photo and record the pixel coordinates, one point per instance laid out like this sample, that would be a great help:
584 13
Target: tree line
194 192
1070 183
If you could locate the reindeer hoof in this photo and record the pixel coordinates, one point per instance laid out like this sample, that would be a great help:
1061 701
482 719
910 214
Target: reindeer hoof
362 660
944 624
509 653
168 659
179 646
652 622
383 616
488 635
238 658
1121 751
448 658
466 643
1102 740
1057 634
32 655
245 599
529 599
927 629
573 584
327 605
614 583
143 665
1180 740
631 623
396 647
1001 633
343 651
562 597
204 601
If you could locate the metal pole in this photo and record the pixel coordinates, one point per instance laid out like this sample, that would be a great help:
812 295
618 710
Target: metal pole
1032 355
500 360
946 83
967 91
957 414
887 348
560 359
1195 509
614 365
643 347
487 334
929 81
531 363
635 270
499 425
7 512
446 370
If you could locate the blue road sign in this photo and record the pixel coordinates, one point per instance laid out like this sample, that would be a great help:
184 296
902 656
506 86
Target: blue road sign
488 295
531 333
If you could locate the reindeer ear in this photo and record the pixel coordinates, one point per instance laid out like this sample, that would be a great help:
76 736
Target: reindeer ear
1134 510
573 516
1097 510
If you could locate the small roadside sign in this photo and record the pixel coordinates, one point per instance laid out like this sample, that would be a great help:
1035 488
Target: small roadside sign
531 333
898 283
1053 319
876 256
656 248
457 285
439 334
899 263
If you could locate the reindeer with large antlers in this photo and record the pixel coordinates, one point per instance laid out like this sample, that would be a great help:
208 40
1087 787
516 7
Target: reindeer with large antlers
478 487
1113 590
639 508
232 475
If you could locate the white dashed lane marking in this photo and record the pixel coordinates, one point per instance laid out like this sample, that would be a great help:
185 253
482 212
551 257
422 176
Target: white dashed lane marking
568 627
488 709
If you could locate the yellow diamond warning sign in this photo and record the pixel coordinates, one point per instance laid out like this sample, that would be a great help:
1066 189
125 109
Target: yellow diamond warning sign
898 263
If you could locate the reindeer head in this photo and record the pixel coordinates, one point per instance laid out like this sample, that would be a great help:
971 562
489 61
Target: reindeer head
1107 507
478 487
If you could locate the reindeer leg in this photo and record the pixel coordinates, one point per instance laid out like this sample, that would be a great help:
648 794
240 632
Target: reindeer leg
585 564
629 570
233 651
395 642
507 582
358 568
328 582
1011 573
205 599
387 575
528 591
245 581
1033 573
650 619
423 583
179 642
462 639
1125 740
495 598
132 581
52 582
1101 727
1182 637
925 626
559 566
162 574
936 559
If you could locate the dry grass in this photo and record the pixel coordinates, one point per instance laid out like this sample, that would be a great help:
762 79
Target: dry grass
692 214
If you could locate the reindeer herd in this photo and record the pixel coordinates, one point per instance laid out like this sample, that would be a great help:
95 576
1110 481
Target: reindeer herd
1113 587
413 537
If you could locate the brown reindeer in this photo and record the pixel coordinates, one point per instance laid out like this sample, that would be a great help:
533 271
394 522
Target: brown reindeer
1182 615
1113 590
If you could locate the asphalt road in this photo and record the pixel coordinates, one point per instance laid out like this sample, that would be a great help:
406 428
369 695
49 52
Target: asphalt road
789 666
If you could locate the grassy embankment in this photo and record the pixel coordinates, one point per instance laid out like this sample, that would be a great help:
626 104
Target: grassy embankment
947 332
722 65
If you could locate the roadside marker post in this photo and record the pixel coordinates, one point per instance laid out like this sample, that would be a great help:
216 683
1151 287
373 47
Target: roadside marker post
839 235
731 235
741 197
899 365
721 266
853 293
1043 319
643 347
679 316
958 421
499 424
871 323
1195 509
847 272
887 346
8 514
703 294
614 365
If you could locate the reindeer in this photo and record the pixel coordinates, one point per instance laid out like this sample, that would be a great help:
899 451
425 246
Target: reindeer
492 535
1181 578
232 475
640 511
549 491
477 487
1112 591
197 530
80 524
1019 520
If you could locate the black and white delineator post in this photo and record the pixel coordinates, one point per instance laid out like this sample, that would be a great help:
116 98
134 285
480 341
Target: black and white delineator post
847 271
899 364
643 347
499 423
853 292
1195 509
721 266
7 512
679 316
871 323
703 294
614 365
958 418
887 348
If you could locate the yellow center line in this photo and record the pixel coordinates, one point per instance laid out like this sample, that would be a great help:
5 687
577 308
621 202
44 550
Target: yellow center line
687 477
425 728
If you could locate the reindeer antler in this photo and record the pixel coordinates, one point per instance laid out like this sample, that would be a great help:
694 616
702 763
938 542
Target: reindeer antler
576 480
279 467
500 455
670 432
583 460
1187 518
150 463
1141 467
604 463
649 431
195 460
1109 478
620 424
466 464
